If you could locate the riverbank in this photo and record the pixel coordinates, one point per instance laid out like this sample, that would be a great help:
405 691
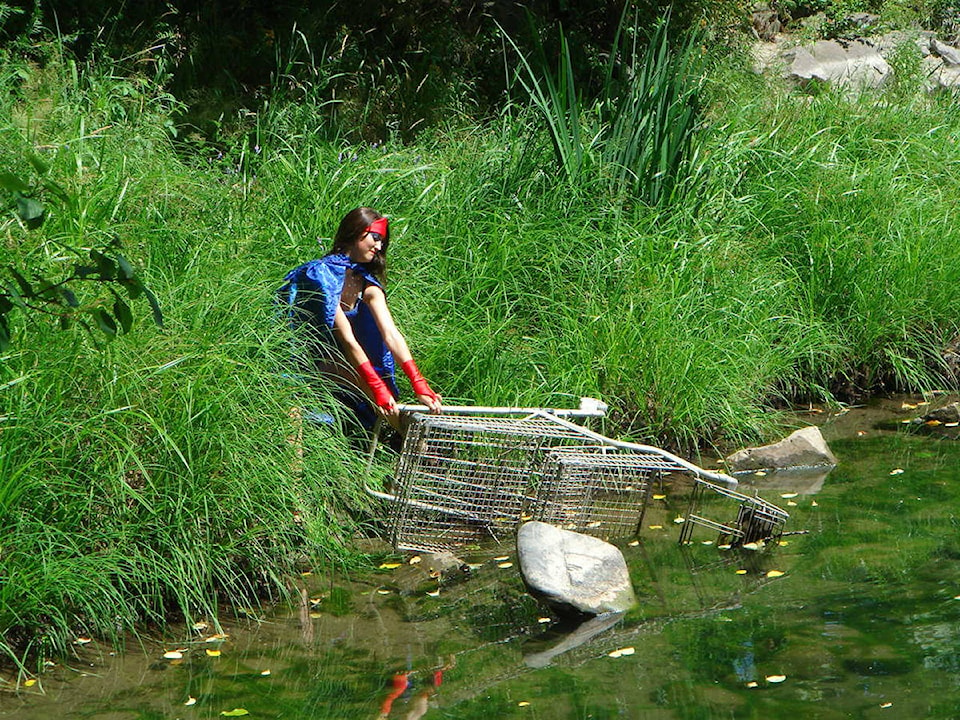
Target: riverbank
811 257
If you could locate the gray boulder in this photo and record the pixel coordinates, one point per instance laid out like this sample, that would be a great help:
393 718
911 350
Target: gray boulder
857 63
573 571
803 448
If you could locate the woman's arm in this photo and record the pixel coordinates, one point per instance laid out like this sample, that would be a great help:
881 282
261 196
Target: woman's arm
358 359
376 300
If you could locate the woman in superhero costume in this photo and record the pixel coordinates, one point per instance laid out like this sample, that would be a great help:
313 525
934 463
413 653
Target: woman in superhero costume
349 332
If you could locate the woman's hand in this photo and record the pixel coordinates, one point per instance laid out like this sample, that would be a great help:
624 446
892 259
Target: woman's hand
432 401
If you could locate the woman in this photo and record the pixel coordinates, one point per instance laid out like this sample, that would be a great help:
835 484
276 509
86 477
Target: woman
350 334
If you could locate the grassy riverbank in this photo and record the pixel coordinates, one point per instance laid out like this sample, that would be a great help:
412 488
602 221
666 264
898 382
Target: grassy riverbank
814 254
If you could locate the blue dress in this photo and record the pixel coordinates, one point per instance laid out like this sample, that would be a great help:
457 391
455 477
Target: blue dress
311 294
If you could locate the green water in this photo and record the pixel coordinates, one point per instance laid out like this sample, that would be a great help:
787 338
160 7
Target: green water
864 623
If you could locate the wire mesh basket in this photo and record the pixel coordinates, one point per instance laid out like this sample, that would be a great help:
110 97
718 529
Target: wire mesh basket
756 518
464 479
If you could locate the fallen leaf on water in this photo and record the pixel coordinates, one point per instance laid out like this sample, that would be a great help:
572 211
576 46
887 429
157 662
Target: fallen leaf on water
306 573
594 524
741 572
434 593
543 620
236 712
213 653
951 424
172 655
814 503
753 684
775 573
389 565
723 547
633 543
908 406
82 641
679 520
191 701
265 673
505 565
217 638
752 546
860 433
316 601
886 705
956 597
791 503
621 652
381 591
30 683
787 496
706 542
434 574
524 518
659 497
783 542
522 703
760 473
896 471
501 558
933 423
200 626
316 615
656 527
776 678
415 559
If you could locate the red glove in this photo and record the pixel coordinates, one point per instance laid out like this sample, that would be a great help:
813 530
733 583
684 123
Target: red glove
419 384
381 393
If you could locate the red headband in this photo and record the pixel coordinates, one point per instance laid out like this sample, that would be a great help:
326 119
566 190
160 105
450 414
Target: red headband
378 226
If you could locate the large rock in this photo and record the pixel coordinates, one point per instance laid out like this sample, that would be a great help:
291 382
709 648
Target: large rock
573 571
946 414
804 448
856 63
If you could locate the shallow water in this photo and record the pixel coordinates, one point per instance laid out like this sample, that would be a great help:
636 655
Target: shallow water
863 623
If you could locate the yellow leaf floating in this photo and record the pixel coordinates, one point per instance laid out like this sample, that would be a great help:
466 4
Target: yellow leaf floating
896 471
505 565
622 652
236 712
776 678
659 497
389 565
791 503
787 496
30 683
886 705
523 703
706 542
741 572
679 520
382 591
314 615
775 573
415 560
753 684
191 701
783 543
543 620
82 641
633 543
751 546
760 473
814 503
265 673
933 423
501 558
200 626
434 593
213 653
594 524
951 424
172 655
656 527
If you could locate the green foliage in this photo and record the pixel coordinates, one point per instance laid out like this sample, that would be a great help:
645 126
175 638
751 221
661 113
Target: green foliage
637 136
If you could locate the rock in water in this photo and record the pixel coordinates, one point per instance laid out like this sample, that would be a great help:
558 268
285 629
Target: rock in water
804 448
573 571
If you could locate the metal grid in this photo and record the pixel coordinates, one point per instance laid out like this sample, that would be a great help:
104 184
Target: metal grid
756 518
460 480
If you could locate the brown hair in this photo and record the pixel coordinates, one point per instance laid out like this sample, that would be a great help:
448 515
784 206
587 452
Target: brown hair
352 227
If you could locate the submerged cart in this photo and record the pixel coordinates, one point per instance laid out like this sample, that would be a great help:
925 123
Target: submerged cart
474 474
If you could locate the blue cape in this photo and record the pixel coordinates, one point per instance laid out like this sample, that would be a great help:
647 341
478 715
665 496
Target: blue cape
312 293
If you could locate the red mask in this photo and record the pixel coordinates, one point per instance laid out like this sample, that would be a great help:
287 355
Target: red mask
378 226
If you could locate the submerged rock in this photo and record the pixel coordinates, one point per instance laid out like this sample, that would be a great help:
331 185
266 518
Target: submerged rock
946 414
803 448
572 571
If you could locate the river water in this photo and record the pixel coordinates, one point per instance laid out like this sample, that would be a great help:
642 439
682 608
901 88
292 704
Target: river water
859 618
